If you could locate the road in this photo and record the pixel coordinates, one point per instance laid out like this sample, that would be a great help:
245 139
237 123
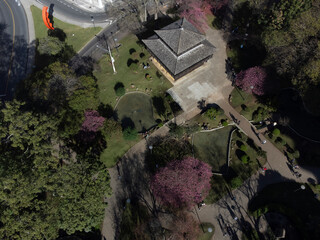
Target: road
13 45
73 12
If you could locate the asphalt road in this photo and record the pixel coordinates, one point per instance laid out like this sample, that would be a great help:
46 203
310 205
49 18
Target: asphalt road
99 44
14 38
73 12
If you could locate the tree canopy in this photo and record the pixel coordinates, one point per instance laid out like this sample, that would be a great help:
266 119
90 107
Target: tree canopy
182 183
44 188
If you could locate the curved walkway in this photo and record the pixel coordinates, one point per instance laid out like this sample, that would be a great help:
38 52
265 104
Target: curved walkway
222 213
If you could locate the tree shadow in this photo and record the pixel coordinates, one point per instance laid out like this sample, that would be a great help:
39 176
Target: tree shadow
57 33
158 103
127 122
82 65
17 57
106 110
235 214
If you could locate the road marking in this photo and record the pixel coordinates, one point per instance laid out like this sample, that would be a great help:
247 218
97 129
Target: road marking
13 36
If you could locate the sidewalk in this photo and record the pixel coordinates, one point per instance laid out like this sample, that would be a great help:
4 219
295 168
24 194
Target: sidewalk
278 171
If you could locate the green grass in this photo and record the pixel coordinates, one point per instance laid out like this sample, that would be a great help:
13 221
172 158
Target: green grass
240 98
206 235
201 118
211 147
116 148
81 35
244 170
136 108
302 208
132 80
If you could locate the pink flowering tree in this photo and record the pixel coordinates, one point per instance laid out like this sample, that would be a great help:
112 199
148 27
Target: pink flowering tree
195 12
92 121
252 80
182 183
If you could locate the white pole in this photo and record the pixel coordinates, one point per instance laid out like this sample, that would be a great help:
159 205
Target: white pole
112 61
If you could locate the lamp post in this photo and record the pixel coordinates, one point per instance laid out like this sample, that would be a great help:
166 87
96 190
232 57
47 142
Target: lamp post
92 20
302 187
150 148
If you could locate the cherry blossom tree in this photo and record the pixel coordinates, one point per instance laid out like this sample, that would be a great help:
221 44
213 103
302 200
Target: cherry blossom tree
182 183
195 12
253 80
92 122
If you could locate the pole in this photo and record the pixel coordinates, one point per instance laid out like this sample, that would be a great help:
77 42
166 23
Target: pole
112 61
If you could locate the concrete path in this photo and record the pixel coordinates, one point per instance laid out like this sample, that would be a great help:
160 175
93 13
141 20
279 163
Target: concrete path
222 213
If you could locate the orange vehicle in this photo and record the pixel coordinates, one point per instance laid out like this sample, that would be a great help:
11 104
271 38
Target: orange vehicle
45 17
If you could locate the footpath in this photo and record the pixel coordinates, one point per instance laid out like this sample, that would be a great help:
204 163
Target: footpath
234 206
220 214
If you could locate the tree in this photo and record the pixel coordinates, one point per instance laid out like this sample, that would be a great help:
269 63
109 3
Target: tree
253 80
50 46
182 183
130 133
92 121
42 187
195 12
85 97
213 112
184 226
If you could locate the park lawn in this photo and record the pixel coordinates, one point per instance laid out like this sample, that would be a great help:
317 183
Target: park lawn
116 148
136 110
81 35
244 170
206 235
212 147
239 99
132 80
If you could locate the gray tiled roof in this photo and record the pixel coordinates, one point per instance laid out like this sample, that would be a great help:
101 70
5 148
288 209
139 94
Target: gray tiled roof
179 46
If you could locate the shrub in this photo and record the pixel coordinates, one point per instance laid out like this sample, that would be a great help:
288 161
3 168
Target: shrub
147 76
130 133
296 154
224 122
132 51
260 114
243 147
176 130
283 142
192 129
278 139
236 182
276 132
261 153
244 159
142 55
213 112
134 65
119 89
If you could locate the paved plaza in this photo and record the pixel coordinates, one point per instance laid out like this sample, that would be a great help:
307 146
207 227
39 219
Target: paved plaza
206 81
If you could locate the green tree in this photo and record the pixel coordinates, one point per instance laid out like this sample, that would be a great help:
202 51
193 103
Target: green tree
213 112
130 133
50 46
85 97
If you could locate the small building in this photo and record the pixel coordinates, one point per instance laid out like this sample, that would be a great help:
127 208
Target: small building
179 48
